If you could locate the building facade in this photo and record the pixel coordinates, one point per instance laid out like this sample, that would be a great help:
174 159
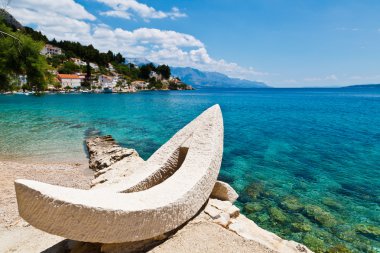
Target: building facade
50 50
107 81
72 81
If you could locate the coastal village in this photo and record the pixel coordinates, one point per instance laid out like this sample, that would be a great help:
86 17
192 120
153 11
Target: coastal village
31 63
108 81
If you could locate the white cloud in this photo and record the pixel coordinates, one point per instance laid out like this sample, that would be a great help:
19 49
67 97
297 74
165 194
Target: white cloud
167 47
345 29
160 46
67 8
290 81
53 25
129 8
318 79
331 77
64 19
369 78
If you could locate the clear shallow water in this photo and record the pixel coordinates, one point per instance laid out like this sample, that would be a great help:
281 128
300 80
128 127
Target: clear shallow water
306 162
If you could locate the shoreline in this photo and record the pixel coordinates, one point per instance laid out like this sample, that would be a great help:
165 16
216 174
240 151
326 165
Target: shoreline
62 92
15 234
66 174
77 160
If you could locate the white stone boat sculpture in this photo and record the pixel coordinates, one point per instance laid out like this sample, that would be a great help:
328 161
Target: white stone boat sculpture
169 189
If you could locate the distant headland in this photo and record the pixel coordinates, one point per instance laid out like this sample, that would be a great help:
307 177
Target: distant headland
363 86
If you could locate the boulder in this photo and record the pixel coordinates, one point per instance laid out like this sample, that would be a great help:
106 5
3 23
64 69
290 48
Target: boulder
233 211
224 191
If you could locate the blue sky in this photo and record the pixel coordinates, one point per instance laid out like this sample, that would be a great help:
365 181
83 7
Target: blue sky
285 43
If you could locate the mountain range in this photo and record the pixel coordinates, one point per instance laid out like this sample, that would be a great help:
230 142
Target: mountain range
363 86
137 61
203 79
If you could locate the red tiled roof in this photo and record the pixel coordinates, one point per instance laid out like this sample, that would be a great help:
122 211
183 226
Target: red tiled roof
68 76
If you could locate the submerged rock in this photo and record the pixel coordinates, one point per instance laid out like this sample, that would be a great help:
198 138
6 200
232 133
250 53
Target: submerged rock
330 202
316 244
368 230
339 249
277 214
253 207
301 227
255 189
319 215
291 203
346 235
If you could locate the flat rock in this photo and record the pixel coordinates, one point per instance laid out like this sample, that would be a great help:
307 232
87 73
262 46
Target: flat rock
219 204
208 237
117 172
250 231
104 151
212 211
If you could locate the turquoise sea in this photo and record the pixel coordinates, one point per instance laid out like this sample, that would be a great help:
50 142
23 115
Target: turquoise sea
306 162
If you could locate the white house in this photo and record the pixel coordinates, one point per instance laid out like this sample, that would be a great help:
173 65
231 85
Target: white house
50 50
72 81
154 75
94 66
78 62
23 79
107 81
110 67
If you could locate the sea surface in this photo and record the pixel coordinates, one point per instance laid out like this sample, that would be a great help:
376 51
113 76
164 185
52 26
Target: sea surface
306 162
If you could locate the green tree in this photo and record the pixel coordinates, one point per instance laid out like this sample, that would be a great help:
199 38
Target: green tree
164 70
119 58
56 60
69 67
22 57
34 64
145 70
38 36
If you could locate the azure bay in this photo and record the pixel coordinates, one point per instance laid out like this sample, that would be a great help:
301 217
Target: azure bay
305 162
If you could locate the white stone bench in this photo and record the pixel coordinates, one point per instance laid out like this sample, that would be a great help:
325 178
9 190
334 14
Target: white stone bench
169 189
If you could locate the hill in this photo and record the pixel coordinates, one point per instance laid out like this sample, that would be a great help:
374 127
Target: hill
200 79
137 61
358 86
10 20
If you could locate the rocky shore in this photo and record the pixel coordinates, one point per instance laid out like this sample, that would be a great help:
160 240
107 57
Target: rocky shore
218 227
